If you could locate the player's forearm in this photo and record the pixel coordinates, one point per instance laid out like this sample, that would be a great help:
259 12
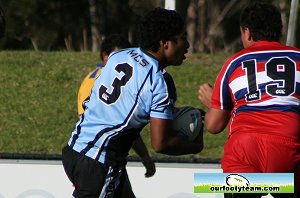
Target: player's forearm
140 148
177 146
216 120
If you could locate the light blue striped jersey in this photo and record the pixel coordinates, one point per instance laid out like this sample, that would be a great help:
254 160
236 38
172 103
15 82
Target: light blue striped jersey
130 90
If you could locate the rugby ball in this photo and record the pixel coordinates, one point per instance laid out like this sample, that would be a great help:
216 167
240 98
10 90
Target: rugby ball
187 122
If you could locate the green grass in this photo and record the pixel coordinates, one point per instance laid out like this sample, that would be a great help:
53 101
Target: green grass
38 95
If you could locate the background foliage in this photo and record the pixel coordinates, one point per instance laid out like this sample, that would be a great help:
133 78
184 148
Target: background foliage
80 25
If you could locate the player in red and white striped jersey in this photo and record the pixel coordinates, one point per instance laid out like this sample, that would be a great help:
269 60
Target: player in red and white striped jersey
257 96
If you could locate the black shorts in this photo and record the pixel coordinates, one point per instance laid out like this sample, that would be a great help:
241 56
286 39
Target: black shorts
93 179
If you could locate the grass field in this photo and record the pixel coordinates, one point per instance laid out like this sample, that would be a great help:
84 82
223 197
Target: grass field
38 96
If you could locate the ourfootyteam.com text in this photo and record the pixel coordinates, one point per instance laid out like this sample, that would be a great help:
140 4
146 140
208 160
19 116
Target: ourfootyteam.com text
243 188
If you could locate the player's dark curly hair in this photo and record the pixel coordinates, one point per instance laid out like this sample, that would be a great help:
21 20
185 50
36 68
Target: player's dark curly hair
2 22
263 21
114 41
159 24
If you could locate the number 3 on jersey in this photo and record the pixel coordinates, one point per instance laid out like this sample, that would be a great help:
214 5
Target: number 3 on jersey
112 97
282 72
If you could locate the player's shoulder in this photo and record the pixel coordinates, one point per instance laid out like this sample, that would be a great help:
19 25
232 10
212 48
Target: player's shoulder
260 50
122 52
95 73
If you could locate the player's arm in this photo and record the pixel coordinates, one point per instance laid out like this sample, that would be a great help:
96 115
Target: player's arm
163 141
140 148
216 120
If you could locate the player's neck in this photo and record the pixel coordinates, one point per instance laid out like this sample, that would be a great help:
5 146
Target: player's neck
160 57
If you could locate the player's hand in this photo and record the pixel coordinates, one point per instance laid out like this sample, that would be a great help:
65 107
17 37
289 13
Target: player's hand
199 139
150 166
205 92
202 113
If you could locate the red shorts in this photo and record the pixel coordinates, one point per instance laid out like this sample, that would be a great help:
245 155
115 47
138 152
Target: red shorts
261 153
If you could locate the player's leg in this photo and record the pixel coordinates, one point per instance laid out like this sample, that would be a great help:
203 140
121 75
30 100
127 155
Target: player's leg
279 150
125 189
287 151
86 174
243 153
68 160
117 184
235 160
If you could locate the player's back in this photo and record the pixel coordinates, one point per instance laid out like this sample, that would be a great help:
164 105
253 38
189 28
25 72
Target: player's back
86 87
265 82
130 89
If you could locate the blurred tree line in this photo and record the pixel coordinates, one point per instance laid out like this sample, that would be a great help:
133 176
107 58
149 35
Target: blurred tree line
80 25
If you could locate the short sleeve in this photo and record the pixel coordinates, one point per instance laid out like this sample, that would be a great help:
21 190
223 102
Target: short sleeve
221 98
161 106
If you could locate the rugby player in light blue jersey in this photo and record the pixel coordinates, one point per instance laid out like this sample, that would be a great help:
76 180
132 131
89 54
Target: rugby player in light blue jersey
130 93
